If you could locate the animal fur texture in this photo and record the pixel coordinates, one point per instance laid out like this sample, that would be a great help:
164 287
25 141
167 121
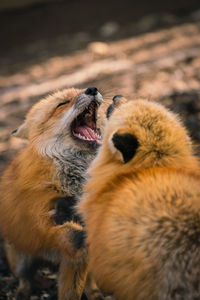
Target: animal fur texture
141 206
62 139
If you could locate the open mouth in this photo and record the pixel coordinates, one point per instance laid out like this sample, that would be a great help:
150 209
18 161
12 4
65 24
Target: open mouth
84 126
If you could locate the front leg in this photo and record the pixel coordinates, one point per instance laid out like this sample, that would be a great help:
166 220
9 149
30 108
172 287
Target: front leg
71 280
74 279
63 214
65 211
91 290
71 241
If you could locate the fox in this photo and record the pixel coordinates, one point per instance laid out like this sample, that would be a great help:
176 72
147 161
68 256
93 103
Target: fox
141 205
62 136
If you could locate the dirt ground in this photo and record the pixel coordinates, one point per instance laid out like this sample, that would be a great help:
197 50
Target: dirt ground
146 52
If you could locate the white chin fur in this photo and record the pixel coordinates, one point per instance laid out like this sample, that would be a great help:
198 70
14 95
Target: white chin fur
61 131
52 148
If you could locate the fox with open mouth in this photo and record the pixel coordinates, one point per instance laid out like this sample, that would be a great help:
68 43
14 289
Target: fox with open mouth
63 137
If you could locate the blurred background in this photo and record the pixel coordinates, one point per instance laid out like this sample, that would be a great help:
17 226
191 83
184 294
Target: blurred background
136 48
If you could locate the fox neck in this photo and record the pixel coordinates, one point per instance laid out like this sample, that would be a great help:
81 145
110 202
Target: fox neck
71 166
71 162
64 171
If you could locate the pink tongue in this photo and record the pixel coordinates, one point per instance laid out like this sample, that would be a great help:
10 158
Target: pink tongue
87 132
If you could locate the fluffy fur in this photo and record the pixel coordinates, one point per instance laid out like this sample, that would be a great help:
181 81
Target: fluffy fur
142 209
50 167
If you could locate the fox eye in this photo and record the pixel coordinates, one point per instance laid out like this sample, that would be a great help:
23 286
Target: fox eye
62 103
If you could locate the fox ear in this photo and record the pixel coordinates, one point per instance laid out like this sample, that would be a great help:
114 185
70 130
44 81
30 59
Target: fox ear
21 131
127 144
116 102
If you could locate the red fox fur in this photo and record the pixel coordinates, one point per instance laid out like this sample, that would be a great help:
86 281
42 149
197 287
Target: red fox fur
141 207
62 139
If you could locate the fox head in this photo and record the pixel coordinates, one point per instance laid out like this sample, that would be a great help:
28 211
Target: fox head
142 134
67 117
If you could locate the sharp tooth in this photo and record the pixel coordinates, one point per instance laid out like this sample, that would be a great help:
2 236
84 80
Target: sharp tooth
82 137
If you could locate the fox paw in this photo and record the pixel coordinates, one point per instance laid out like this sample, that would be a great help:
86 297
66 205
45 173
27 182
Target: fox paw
72 240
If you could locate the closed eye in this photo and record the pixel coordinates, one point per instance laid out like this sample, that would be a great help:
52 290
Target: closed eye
62 103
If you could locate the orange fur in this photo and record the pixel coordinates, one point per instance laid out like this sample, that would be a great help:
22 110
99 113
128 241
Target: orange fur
31 184
143 217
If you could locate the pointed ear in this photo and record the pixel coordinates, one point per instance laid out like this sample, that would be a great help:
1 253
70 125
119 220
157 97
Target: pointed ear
127 144
117 101
21 131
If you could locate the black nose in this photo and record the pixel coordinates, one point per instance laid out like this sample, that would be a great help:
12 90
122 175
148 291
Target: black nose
92 90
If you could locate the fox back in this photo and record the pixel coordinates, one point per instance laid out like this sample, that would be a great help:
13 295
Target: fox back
142 206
